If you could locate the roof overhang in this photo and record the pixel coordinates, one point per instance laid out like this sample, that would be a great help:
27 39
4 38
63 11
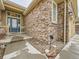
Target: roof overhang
34 3
31 6
9 5
2 5
12 8
13 4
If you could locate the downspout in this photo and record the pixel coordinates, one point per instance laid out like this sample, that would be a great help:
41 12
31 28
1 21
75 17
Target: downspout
0 14
65 20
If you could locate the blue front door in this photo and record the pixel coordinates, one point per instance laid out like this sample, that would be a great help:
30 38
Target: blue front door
14 25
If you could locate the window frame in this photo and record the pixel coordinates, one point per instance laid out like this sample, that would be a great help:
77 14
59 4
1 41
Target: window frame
54 21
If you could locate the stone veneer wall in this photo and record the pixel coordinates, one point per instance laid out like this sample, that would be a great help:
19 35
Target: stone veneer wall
61 21
38 21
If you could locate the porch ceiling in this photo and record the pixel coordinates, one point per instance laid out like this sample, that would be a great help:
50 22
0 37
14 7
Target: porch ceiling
1 5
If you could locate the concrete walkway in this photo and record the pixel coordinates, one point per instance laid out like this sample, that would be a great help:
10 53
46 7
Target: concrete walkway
71 50
22 50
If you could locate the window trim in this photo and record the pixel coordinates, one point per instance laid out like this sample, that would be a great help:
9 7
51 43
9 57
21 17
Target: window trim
54 21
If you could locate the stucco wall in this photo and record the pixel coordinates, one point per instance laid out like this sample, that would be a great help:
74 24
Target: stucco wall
71 20
38 21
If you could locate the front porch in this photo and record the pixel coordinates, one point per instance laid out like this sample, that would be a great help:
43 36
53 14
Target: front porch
16 42
38 31
11 22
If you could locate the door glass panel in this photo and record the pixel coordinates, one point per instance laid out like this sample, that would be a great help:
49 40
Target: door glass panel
14 23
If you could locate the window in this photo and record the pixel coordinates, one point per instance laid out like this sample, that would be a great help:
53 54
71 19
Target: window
54 12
